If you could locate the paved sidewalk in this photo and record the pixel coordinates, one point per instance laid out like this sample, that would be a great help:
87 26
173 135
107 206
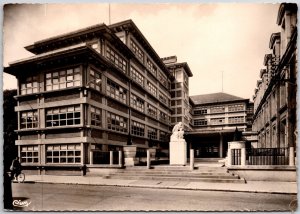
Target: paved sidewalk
250 186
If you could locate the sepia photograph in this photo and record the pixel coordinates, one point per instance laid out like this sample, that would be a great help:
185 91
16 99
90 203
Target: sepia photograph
150 107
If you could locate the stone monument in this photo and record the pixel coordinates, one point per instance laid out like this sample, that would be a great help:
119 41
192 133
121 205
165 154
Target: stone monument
178 147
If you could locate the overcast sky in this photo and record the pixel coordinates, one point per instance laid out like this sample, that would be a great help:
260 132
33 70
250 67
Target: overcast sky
212 38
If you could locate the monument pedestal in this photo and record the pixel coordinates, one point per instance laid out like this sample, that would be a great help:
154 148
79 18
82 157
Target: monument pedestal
178 152
130 155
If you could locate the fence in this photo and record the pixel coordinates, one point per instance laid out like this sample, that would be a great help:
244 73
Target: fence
260 156
267 156
236 157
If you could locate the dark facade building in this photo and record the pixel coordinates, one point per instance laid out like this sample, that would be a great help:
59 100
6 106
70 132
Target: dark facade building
95 89
275 118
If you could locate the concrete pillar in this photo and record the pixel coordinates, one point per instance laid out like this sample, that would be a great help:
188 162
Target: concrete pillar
229 163
91 157
148 159
120 159
111 157
191 159
243 156
221 146
292 156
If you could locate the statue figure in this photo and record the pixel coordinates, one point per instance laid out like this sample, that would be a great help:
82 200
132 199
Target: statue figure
177 132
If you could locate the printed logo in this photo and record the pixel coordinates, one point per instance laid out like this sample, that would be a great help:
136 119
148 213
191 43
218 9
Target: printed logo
20 203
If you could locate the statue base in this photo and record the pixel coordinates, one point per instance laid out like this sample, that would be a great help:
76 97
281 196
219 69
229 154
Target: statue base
178 152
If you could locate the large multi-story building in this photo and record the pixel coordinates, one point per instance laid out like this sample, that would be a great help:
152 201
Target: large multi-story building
179 91
215 117
103 87
275 95
94 89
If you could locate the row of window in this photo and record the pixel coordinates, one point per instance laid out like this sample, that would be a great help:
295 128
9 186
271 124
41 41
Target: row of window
63 79
135 48
116 59
220 109
70 115
218 121
71 77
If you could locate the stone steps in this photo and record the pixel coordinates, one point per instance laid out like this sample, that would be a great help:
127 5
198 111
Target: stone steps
203 173
181 178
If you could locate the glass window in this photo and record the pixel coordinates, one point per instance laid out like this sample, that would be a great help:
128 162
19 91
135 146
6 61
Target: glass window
152 111
116 122
64 153
29 154
137 50
200 122
200 111
115 91
217 121
63 79
29 120
163 98
136 76
239 119
152 133
63 116
236 107
29 85
151 88
95 80
217 109
116 59
95 116
151 67
137 103
137 129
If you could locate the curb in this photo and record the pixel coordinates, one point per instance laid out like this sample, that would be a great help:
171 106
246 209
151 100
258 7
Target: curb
163 187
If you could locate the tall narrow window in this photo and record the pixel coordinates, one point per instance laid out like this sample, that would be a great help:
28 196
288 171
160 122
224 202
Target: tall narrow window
95 80
95 116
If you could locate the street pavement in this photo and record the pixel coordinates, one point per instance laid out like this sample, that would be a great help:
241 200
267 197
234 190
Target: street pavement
250 186
68 197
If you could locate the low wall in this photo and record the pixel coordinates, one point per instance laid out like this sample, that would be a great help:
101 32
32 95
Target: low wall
265 173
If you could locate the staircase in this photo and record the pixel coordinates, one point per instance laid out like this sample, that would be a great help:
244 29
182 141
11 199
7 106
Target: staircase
205 171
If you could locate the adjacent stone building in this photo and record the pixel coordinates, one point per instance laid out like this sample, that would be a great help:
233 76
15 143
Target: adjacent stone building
275 118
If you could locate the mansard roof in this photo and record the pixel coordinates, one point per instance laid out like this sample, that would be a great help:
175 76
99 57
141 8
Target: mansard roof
215 98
